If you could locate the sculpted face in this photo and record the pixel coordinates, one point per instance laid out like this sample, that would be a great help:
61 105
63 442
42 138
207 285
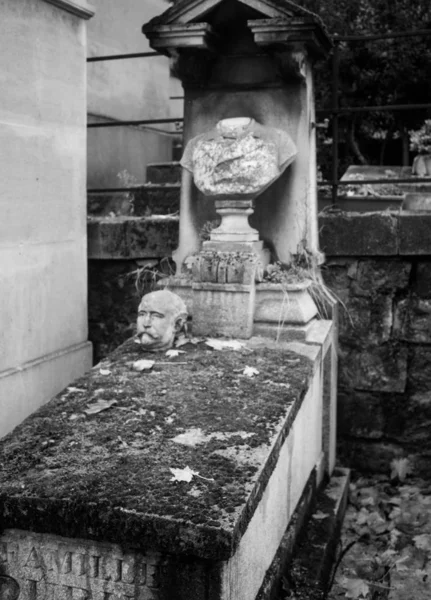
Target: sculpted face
161 315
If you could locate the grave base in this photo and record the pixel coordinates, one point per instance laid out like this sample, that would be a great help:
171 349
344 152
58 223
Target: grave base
88 503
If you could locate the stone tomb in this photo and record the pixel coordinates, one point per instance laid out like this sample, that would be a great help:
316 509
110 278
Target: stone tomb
89 505
249 136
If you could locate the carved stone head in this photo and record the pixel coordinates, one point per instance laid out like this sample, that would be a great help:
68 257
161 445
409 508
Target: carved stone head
161 315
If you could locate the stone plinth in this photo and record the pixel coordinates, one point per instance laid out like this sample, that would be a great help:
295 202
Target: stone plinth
224 299
88 505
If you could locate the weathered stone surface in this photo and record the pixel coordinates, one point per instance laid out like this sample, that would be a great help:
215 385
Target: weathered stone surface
357 234
225 310
421 463
144 201
226 267
275 304
131 237
106 476
371 456
365 321
56 568
414 233
157 199
164 172
422 282
413 320
239 157
419 369
418 421
112 500
375 276
106 204
377 369
360 415
337 275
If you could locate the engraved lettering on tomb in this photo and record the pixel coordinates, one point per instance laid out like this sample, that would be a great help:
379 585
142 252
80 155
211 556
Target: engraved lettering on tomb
51 568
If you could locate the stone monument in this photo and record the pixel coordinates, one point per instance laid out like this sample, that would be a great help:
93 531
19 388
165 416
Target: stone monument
249 133
191 479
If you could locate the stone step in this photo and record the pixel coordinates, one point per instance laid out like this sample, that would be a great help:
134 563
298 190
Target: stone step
309 572
169 172
157 199
129 237
148 199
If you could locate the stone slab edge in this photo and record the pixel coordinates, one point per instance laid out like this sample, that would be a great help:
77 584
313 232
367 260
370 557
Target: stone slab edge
285 550
222 544
397 233
79 8
310 572
131 237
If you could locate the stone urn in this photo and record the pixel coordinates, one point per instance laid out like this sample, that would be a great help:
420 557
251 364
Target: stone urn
422 165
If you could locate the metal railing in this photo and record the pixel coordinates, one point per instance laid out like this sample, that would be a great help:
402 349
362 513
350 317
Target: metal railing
335 112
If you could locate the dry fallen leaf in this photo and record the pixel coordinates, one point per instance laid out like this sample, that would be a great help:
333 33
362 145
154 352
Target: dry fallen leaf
104 371
182 474
400 468
250 372
174 353
182 340
355 588
319 515
186 475
143 365
423 541
217 344
100 405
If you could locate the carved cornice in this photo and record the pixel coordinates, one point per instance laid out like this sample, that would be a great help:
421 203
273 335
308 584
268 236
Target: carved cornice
171 38
79 8
291 33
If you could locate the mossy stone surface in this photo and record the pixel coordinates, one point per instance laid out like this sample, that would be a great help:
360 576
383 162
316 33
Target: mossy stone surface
107 476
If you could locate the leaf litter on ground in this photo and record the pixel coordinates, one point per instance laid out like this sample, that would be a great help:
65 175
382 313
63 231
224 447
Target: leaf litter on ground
385 548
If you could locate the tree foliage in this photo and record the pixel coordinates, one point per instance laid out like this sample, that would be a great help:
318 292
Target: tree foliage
374 73
380 72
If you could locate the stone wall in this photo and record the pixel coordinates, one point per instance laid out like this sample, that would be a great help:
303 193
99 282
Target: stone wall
43 259
379 266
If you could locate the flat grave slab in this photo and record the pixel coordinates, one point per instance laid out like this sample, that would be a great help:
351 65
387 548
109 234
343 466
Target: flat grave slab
181 487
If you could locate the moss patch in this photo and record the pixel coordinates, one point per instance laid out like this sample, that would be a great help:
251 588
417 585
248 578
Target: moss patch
107 476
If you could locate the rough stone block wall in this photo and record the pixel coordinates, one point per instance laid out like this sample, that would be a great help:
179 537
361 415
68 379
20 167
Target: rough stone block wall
384 285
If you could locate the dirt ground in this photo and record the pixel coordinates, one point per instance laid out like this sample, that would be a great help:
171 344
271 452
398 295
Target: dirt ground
385 548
